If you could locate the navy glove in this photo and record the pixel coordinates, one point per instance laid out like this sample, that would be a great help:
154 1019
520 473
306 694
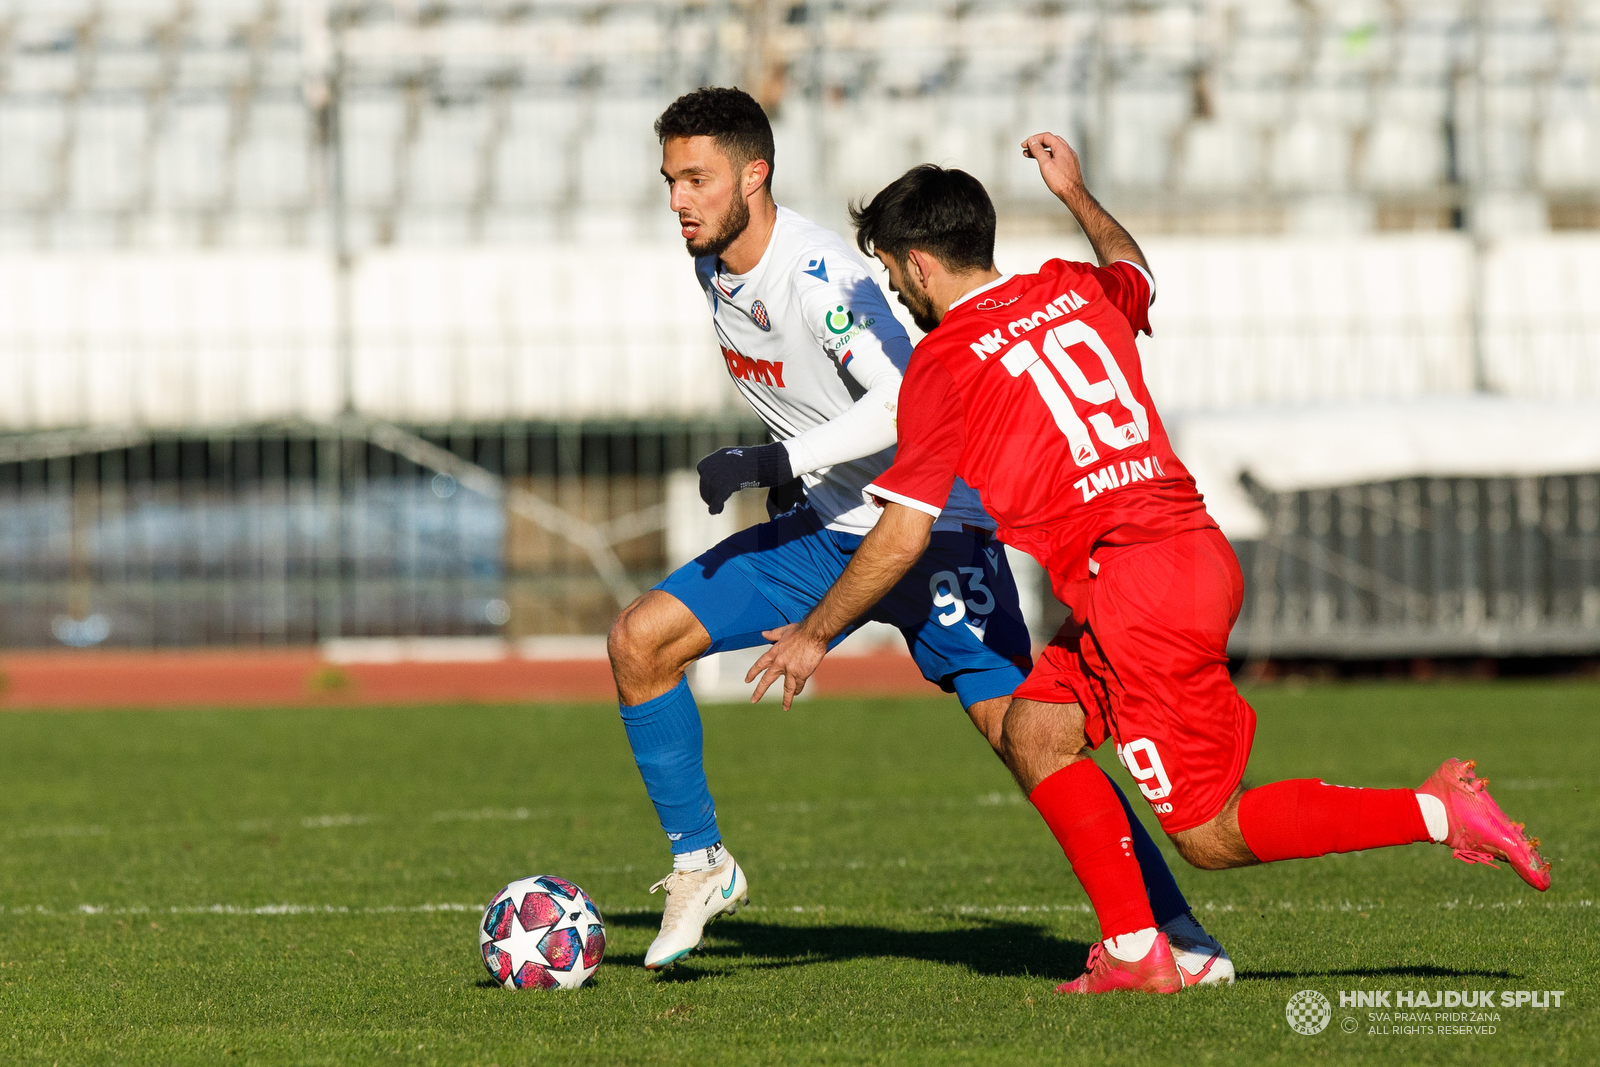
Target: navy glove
785 497
728 470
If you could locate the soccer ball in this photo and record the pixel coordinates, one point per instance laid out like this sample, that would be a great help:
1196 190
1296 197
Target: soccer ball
542 933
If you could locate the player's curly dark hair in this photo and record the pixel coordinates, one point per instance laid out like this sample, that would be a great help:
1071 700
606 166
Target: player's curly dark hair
730 116
946 213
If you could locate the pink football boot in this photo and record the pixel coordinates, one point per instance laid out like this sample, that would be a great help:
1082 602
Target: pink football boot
1156 973
1479 830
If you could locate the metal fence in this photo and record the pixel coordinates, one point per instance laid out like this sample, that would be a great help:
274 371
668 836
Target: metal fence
1425 567
295 533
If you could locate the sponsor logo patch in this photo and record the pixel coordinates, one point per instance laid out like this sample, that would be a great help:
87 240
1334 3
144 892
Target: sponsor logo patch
760 371
840 342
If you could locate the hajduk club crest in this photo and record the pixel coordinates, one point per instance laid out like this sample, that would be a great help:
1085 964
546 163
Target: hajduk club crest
758 312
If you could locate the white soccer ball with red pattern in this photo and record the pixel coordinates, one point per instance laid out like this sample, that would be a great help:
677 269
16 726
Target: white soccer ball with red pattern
542 933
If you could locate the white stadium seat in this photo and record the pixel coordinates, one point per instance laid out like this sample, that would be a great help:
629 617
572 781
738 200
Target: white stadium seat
1310 155
531 168
619 158
109 154
446 159
274 167
373 127
189 156
1568 155
31 133
1220 157
1404 156
1141 129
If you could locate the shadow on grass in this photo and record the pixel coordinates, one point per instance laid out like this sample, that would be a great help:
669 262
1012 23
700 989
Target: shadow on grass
1397 971
991 947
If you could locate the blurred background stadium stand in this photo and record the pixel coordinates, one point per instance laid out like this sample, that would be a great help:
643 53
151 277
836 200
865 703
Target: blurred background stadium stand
329 320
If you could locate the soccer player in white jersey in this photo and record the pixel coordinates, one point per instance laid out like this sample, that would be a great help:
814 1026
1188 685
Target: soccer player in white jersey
811 344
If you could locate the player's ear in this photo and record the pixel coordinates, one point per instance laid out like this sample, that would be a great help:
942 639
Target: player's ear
755 175
917 264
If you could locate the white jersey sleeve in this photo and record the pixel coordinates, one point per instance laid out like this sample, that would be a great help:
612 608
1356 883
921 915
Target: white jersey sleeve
811 345
853 325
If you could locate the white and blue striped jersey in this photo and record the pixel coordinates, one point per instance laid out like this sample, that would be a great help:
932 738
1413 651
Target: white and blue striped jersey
811 344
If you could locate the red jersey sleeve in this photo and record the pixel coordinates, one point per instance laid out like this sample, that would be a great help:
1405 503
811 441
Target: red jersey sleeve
932 436
1130 289
1127 285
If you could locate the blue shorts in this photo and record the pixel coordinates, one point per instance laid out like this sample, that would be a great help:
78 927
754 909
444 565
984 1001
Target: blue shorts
957 607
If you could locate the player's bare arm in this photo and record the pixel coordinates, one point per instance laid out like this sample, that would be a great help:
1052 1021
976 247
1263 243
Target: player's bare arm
1058 166
890 550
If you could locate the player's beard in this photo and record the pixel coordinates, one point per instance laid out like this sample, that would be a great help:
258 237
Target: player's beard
732 224
917 302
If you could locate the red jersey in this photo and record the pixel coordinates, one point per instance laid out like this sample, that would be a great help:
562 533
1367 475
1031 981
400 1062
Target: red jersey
1031 391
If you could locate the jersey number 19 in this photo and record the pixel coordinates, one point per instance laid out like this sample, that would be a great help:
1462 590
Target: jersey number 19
1106 394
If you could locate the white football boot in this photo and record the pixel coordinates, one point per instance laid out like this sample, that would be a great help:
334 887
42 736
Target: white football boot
694 898
1200 957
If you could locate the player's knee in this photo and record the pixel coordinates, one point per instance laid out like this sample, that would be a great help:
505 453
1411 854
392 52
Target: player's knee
1034 730
655 634
989 717
636 636
622 640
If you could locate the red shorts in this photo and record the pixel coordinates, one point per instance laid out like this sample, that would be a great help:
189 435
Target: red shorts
1145 654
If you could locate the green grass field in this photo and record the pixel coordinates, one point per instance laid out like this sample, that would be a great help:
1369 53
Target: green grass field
303 887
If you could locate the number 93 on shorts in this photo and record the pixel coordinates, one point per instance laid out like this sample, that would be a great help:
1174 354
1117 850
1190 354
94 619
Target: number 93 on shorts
957 607
959 613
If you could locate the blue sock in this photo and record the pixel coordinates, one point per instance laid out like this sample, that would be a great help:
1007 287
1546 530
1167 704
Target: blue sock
667 745
1166 899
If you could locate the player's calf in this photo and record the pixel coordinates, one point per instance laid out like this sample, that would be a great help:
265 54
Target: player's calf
1216 845
1046 738
1305 817
1300 819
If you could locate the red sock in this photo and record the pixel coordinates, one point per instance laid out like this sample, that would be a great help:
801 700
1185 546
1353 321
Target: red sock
1082 810
1304 817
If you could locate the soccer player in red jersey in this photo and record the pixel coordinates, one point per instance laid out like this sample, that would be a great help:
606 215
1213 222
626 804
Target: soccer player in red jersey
1029 387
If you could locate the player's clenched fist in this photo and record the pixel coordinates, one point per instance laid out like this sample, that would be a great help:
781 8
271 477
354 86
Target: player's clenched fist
1058 163
728 470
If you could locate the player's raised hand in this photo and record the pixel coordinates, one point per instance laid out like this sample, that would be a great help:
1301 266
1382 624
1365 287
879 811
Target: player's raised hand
1058 163
794 656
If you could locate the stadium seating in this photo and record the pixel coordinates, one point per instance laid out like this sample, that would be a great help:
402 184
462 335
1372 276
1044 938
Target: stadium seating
154 126
198 112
